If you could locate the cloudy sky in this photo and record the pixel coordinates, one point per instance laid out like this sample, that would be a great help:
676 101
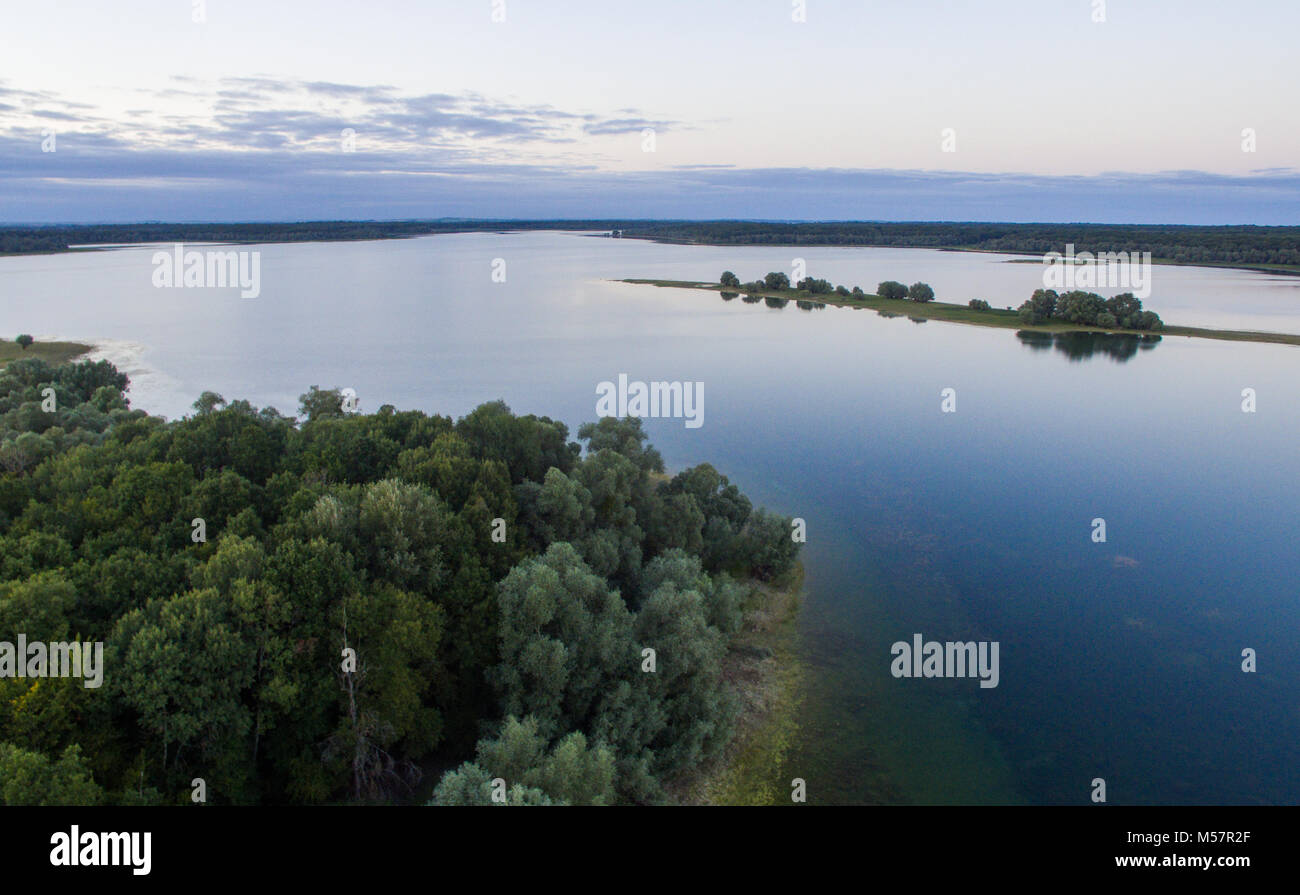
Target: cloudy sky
1028 110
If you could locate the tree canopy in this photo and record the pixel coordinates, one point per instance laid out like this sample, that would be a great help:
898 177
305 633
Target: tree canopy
319 609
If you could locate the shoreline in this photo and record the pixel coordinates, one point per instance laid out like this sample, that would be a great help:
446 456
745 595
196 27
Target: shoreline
764 670
951 313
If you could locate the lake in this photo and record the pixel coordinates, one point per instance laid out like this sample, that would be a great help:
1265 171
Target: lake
1119 660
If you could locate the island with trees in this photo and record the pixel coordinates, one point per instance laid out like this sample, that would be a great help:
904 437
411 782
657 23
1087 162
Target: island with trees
1045 311
383 607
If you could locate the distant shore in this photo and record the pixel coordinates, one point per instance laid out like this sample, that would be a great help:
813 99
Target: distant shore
1264 249
937 310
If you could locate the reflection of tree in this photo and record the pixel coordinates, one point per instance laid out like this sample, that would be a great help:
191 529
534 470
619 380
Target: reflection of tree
776 302
809 305
1079 346
751 299
889 315
917 319
728 296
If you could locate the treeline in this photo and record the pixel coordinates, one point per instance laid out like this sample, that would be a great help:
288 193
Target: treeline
58 237
779 282
328 610
1231 245
1234 245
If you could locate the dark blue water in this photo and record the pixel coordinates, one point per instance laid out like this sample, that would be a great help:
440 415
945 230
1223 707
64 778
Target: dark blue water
1119 660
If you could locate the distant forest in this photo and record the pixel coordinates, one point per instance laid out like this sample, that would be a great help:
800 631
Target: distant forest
1241 245
1232 245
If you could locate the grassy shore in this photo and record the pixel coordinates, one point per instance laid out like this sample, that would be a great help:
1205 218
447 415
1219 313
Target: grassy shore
763 670
53 353
937 310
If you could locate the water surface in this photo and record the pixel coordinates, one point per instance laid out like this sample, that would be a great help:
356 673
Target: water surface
1118 660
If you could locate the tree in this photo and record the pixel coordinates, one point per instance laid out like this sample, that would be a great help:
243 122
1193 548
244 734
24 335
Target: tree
920 292
776 280
30 778
571 773
891 289
1124 308
729 279
565 640
208 402
24 340
1080 307
766 546
686 686
318 404
183 665
1149 320
815 286
978 304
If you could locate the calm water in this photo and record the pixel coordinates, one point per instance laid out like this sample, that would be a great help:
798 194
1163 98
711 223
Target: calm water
1118 660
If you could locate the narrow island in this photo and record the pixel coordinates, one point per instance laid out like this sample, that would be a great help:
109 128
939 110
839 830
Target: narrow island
1045 311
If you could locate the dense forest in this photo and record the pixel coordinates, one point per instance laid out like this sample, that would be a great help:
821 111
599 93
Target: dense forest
336 608
1229 245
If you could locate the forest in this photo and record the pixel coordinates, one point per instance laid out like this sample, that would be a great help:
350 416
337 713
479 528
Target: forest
1238 245
342 607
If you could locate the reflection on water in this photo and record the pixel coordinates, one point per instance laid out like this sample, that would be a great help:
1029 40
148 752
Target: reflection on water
1080 346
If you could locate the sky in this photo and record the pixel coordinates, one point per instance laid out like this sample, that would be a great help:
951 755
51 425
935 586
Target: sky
1144 111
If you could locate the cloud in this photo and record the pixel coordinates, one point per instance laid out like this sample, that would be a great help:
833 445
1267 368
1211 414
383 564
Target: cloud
267 149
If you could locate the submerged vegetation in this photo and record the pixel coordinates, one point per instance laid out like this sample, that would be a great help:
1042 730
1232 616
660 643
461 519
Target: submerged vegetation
332 609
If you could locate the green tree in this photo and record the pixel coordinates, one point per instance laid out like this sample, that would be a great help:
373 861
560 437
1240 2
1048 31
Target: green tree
920 292
318 404
776 280
30 778
565 640
891 289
